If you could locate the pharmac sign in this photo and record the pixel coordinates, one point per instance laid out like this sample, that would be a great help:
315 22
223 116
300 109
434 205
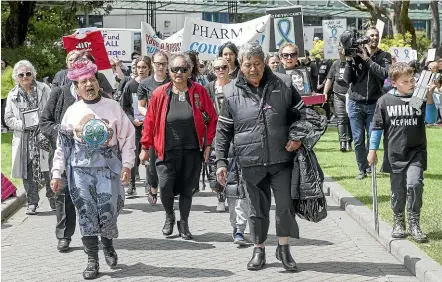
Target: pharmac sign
286 26
206 37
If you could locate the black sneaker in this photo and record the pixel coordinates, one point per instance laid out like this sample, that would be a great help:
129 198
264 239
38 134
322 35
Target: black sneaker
368 170
131 192
361 175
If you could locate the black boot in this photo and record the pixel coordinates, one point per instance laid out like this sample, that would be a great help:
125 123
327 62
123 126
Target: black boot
91 247
398 226
414 228
258 259
110 255
283 255
183 229
168 224
343 146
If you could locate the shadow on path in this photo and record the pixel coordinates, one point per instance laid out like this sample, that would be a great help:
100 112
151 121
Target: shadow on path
152 244
143 270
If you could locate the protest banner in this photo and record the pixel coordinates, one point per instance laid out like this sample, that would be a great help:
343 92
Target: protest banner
150 42
118 43
286 26
332 30
309 34
402 54
91 42
206 37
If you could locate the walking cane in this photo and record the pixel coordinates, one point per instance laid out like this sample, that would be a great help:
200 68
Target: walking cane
374 187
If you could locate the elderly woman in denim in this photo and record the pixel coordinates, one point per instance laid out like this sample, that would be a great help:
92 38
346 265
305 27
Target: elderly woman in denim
28 162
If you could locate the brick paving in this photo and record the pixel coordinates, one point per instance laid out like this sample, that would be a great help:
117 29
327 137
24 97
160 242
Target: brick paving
336 249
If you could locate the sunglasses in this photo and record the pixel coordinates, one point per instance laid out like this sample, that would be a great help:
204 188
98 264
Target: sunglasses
27 74
289 55
221 68
179 69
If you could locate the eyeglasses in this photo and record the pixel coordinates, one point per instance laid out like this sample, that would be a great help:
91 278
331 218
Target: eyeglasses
179 69
159 64
221 68
201 66
289 55
23 74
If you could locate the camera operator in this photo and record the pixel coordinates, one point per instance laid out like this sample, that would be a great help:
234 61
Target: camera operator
366 71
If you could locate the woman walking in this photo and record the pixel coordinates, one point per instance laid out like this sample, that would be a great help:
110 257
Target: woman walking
175 125
145 90
28 161
97 148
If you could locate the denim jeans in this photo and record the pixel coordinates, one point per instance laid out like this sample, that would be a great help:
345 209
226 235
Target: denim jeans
361 115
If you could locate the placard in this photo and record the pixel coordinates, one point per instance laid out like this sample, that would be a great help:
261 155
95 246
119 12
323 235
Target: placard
431 55
402 54
286 26
118 44
150 42
309 34
380 27
206 37
332 30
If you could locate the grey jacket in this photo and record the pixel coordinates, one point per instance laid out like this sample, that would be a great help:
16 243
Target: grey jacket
14 121
258 124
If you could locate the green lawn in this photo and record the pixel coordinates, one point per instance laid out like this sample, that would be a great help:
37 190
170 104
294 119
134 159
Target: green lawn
342 168
7 158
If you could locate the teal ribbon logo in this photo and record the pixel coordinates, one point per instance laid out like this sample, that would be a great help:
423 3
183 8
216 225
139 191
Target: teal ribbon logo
284 29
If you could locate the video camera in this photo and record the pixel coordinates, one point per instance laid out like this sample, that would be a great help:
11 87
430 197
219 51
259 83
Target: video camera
351 40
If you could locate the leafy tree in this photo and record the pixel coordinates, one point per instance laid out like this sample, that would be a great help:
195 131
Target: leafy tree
42 27
318 50
398 16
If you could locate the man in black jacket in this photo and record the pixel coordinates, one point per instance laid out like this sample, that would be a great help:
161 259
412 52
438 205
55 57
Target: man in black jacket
366 72
60 100
257 112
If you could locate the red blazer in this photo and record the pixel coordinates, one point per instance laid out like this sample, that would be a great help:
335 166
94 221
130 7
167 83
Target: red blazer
154 131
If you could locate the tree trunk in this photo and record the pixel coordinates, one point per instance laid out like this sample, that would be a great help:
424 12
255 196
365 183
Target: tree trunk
435 28
395 18
407 24
17 23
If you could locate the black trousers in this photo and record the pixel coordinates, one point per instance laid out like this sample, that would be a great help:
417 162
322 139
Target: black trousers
407 188
65 210
3 104
258 181
344 129
152 175
134 170
178 174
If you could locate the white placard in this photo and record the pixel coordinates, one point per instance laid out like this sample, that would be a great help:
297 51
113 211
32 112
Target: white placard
380 26
118 44
431 55
206 37
309 34
150 42
402 54
332 30
414 55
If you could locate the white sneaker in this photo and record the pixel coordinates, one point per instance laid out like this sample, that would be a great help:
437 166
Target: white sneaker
31 209
221 207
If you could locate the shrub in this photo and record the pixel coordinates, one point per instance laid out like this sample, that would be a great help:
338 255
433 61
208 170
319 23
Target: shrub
47 60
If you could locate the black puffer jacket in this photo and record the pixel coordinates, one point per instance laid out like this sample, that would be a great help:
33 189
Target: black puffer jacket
259 123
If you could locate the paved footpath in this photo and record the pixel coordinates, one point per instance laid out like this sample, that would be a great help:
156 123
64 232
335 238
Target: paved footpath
336 249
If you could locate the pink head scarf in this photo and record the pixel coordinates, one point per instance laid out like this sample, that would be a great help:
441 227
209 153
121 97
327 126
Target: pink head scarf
81 69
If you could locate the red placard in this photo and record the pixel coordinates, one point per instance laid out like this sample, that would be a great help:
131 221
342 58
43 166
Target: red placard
91 42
